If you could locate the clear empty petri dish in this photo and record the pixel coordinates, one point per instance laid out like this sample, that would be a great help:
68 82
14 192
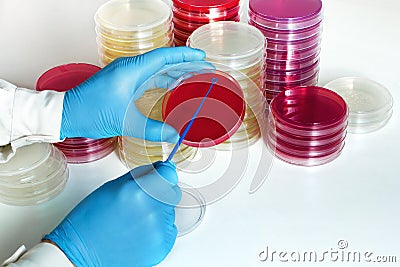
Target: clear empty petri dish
35 174
190 210
370 103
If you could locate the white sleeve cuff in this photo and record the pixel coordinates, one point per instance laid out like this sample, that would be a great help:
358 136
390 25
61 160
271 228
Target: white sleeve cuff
36 116
28 116
41 255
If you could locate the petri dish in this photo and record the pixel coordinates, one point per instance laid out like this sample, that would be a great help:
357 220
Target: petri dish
108 55
206 17
309 107
205 5
65 77
274 88
370 103
219 118
133 15
235 44
278 45
297 138
35 174
190 211
287 11
304 161
295 35
307 151
120 44
290 65
291 76
293 55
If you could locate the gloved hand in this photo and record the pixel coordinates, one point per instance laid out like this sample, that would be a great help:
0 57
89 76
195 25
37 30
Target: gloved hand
96 108
120 224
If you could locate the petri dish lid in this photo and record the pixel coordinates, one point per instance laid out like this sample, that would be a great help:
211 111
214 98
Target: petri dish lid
190 211
133 15
367 100
220 116
65 77
286 10
205 5
25 159
309 107
227 39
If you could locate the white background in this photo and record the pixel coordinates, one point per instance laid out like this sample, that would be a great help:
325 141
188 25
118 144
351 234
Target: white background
354 198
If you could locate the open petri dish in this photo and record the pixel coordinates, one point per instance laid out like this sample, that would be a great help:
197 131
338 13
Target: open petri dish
370 103
309 107
190 210
63 78
219 118
307 125
35 174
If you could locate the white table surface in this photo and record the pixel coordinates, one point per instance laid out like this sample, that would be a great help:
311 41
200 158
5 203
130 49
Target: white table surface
353 198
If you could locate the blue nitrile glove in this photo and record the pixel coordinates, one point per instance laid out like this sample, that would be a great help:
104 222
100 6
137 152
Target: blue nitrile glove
96 108
120 224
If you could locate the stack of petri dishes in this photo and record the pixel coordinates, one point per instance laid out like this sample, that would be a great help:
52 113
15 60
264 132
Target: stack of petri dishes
293 30
192 14
63 78
370 103
307 125
36 173
132 27
237 49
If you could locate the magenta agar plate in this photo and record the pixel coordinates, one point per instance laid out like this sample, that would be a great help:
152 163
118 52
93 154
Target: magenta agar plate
63 78
219 118
286 14
308 125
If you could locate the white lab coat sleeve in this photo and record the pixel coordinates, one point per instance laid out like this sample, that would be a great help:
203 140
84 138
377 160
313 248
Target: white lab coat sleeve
27 116
41 255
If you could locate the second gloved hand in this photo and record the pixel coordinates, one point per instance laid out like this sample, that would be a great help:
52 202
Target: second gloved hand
126 222
96 108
